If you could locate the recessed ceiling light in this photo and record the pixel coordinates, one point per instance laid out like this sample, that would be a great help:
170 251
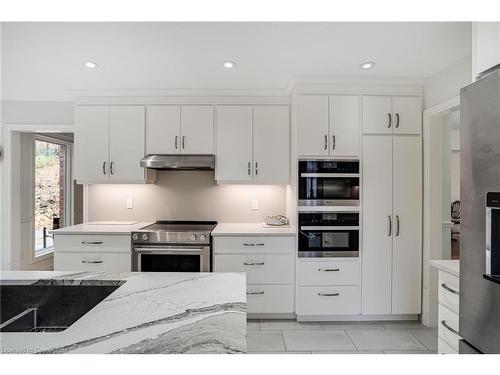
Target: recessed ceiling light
367 65
229 64
91 65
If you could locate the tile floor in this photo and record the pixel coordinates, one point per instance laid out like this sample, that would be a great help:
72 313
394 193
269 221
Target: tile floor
288 336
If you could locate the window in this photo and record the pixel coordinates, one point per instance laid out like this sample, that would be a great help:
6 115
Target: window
50 191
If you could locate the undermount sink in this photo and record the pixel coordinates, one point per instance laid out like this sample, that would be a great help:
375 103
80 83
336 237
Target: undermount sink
49 305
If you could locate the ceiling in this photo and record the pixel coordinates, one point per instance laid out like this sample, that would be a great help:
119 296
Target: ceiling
42 61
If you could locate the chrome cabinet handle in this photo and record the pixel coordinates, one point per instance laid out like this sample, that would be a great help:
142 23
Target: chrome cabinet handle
175 141
397 225
256 168
255 293
253 244
328 294
326 142
390 120
111 167
248 168
445 325
103 167
328 269
253 263
333 142
183 141
390 225
92 261
91 242
397 120
446 287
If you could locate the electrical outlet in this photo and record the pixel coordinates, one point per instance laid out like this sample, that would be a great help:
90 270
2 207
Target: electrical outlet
130 203
255 204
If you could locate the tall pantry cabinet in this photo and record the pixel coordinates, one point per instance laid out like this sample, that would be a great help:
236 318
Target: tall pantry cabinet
392 205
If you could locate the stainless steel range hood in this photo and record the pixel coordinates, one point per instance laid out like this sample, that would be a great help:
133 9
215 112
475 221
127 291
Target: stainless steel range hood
179 162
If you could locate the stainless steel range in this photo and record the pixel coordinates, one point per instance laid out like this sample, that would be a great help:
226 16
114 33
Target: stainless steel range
173 246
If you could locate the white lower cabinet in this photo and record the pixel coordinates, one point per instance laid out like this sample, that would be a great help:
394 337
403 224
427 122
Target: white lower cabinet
269 263
92 252
448 317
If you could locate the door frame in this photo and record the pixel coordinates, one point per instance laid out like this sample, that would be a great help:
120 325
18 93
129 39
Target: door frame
431 244
9 200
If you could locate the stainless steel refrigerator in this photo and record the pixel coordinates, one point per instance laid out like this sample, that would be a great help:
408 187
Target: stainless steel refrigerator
479 324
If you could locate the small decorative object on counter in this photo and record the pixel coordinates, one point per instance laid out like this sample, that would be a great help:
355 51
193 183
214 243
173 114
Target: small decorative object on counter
276 220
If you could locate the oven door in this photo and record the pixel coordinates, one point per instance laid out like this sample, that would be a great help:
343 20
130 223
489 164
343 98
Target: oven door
328 241
171 259
328 189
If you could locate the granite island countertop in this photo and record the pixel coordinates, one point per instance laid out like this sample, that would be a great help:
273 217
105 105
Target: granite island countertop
148 313
447 265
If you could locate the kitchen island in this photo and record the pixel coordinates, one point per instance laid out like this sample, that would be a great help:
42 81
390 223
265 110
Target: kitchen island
148 313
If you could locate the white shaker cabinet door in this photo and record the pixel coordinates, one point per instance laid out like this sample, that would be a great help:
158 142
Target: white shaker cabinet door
377 115
271 157
407 117
313 133
344 125
377 224
91 143
234 143
163 129
126 143
407 208
197 130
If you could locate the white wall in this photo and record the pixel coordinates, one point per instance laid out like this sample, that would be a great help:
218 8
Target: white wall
185 195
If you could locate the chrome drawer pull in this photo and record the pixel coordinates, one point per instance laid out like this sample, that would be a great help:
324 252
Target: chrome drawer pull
328 269
91 242
253 263
92 261
328 294
255 293
248 244
259 244
446 287
443 322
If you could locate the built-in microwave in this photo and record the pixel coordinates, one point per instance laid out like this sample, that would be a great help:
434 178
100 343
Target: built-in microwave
328 234
328 183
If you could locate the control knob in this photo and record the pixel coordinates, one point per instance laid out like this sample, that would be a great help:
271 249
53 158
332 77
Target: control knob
144 237
135 237
193 237
203 237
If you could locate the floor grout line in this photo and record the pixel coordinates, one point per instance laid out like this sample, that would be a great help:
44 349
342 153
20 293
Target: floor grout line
351 340
416 338
283 339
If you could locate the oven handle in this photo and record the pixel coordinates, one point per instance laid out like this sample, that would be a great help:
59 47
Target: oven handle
339 175
166 250
329 227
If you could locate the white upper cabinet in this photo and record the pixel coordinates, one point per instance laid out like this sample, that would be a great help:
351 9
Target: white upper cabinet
163 129
173 129
392 114
91 143
234 143
377 115
271 160
344 125
313 127
197 130
485 46
126 143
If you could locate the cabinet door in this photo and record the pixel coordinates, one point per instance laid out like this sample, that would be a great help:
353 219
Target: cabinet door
126 143
271 155
377 115
197 130
313 125
407 208
234 143
377 231
344 125
91 143
407 115
163 130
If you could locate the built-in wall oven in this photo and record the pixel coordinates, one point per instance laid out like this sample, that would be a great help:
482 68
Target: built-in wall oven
328 182
328 234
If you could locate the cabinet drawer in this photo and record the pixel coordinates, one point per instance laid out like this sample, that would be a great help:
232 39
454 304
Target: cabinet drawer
264 299
328 300
260 268
328 273
92 261
254 245
448 321
448 285
445 348
92 243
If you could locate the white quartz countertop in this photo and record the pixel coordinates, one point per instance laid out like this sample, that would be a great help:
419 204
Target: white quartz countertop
97 228
148 313
450 266
248 229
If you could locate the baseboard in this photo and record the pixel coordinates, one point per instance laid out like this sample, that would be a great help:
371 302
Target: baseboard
251 316
356 318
